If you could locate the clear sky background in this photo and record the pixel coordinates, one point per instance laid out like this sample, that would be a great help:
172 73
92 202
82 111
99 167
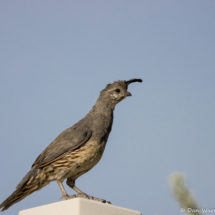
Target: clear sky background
55 58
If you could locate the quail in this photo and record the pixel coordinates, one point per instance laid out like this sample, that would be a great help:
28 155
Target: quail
76 150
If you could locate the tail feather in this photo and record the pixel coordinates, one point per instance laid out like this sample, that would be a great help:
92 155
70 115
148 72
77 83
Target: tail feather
23 189
27 177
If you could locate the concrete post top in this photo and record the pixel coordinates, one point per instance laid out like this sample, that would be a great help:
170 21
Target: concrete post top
78 206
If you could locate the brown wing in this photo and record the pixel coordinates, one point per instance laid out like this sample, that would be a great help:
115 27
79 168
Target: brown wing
68 140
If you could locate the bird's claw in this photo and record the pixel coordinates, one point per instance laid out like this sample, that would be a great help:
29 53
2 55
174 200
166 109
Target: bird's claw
79 195
88 197
99 200
64 196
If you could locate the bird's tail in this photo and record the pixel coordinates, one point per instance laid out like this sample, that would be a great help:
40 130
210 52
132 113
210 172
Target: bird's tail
27 185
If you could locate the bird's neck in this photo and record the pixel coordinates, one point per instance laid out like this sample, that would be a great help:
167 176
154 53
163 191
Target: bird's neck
101 119
102 107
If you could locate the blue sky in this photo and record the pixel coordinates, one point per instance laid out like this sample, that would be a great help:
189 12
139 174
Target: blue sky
55 58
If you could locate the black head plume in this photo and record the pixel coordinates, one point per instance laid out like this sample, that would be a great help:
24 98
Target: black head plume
133 80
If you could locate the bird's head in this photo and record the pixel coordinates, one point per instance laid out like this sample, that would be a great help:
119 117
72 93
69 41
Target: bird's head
117 91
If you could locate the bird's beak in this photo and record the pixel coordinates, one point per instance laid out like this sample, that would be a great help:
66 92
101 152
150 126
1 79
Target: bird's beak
128 94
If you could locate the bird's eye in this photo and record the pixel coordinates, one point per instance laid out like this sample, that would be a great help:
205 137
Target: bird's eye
117 90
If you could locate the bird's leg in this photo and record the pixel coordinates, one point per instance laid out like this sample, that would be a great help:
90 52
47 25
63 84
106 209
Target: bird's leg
63 191
71 183
78 191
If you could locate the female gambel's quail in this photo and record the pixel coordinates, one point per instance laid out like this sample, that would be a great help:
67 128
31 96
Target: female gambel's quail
76 150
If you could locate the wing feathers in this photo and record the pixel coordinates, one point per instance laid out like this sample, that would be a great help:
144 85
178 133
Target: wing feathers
67 141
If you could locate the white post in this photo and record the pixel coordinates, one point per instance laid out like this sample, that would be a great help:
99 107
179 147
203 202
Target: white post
78 206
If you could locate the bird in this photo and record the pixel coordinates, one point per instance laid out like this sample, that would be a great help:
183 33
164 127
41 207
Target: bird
75 151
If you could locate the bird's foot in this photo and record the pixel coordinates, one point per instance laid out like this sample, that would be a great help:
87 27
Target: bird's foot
83 195
99 200
64 196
